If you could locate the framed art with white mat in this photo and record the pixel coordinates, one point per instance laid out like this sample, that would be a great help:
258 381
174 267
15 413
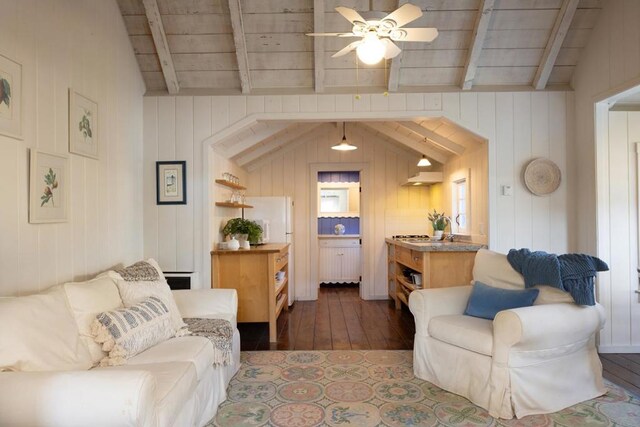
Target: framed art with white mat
10 98
83 125
171 183
49 187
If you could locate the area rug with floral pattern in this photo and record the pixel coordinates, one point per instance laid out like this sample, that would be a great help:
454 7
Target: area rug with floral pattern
377 388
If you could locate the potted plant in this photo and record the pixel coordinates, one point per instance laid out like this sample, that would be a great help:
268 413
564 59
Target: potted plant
439 222
241 226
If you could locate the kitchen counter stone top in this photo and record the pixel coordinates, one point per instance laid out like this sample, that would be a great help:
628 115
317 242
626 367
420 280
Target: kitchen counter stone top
440 246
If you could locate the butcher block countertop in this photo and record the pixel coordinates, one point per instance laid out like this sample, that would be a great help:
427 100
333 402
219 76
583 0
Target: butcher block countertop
441 246
258 249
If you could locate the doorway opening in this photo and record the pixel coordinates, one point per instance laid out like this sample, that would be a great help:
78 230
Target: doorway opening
339 239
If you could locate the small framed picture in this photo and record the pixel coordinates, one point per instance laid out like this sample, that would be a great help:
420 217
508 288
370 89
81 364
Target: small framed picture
171 183
83 125
48 187
10 98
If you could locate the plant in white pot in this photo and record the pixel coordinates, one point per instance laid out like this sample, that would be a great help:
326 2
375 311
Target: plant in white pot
243 230
439 222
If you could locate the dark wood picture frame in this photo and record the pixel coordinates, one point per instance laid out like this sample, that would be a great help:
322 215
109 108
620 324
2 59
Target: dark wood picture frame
171 182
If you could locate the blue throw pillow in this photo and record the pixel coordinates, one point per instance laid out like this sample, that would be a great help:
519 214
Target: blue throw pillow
486 301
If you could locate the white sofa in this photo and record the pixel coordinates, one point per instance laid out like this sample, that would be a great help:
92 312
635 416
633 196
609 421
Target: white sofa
170 384
529 360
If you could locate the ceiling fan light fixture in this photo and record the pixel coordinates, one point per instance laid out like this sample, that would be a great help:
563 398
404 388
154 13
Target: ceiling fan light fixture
424 161
371 50
344 145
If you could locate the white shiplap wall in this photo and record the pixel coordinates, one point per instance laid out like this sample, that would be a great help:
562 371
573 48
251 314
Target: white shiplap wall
609 64
519 126
82 45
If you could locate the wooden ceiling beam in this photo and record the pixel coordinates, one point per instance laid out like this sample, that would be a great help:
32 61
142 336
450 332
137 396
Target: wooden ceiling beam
240 42
318 45
558 34
276 143
434 138
240 146
479 35
420 147
162 47
396 63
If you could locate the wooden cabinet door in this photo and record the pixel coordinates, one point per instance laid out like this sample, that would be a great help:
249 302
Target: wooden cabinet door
351 270
330 266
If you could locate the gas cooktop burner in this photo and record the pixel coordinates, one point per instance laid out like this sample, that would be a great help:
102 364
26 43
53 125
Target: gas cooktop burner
411 237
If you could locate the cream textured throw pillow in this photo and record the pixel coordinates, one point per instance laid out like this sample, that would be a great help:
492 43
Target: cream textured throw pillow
87 300
132 292
39 333
128 331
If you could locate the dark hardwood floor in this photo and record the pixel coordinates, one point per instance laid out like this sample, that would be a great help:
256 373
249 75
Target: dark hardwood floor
340 320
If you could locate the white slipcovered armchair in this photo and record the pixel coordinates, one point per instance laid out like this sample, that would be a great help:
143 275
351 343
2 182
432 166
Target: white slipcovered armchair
530 360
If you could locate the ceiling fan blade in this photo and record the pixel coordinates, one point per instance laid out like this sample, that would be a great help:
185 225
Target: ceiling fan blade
347 49
350 14
404 14
391 50
414 34
330 34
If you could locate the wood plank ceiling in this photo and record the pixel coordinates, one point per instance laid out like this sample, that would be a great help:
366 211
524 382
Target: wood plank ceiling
260 46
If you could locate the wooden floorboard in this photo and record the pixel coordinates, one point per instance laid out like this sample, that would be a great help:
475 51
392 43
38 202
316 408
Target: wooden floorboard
623 370
338 320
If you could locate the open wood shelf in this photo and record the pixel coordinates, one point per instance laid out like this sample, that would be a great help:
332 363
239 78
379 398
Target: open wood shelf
230 184
281 301
280 286
233 205
406 284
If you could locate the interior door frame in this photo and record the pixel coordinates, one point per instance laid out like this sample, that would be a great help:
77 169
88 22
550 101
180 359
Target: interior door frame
366 209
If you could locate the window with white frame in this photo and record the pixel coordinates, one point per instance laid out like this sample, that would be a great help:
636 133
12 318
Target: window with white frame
460 196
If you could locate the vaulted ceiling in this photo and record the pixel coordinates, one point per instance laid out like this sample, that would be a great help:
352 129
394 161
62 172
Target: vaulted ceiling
260 46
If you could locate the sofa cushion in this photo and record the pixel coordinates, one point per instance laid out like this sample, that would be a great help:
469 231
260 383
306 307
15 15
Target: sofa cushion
87 300
486 301
471 333
493 269
197 350
126 332
38 333
133 292
175 384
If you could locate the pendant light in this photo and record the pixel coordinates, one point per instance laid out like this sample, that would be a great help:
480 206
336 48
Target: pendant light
424 161
344 145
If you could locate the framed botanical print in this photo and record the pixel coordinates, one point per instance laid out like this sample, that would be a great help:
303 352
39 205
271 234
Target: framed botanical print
171 183
83 125
48 187
10 98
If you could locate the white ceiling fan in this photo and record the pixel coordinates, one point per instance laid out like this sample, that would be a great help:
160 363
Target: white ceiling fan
378 35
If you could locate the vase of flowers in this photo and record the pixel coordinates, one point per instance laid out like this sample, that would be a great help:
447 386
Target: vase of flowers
439 222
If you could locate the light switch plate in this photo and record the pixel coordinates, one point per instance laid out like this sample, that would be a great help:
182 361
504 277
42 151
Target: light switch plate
507 190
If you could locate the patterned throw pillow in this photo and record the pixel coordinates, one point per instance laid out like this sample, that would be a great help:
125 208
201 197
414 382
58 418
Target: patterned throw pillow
125 332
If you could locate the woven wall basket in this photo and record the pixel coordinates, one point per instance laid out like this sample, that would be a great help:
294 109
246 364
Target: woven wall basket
542 177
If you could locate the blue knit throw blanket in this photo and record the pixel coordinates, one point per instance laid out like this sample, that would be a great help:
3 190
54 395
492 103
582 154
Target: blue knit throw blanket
573 273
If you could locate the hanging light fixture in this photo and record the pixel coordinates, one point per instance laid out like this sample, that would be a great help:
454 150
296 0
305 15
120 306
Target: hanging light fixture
424 161
344 145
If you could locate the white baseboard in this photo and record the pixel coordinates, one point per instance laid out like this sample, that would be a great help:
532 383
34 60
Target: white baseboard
619 349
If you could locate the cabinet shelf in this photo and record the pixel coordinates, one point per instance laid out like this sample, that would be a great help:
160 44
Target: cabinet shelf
280 286
406 284
230 184
233 205
281 301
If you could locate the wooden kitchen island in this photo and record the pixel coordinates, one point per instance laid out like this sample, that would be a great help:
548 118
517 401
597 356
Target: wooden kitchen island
440 265
252 273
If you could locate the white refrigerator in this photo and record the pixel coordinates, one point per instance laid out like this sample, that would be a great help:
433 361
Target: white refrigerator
278 211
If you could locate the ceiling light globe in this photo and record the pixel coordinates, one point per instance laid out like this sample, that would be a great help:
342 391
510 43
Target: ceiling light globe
371 50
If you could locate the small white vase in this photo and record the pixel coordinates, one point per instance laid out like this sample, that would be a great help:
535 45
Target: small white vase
438 234
245 244
233 244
